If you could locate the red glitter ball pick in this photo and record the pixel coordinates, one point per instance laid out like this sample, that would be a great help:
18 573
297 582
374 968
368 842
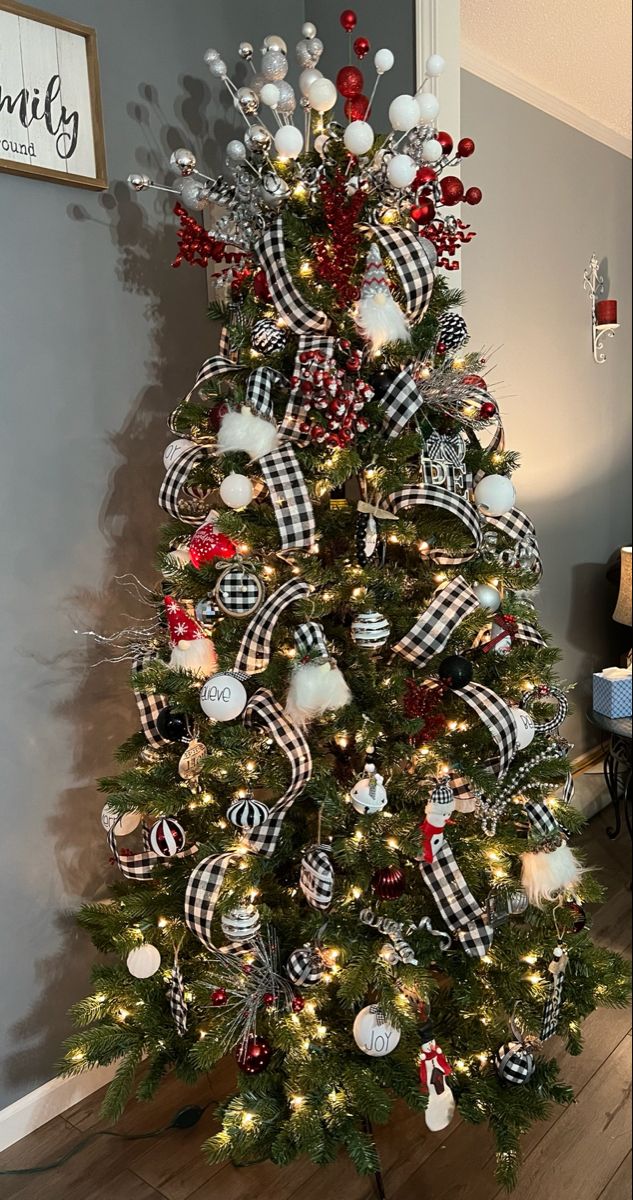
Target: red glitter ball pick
349 20
362 47
465 147
356 108
219 998
350 82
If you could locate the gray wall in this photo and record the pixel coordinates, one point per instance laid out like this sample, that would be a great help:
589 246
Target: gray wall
552 196
98 339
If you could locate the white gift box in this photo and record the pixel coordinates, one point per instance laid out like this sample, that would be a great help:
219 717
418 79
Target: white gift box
613 692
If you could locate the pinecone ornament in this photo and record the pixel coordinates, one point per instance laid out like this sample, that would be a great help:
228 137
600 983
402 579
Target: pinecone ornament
267 337
453 331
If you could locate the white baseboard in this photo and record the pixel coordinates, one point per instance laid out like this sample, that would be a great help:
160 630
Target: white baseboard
48 1101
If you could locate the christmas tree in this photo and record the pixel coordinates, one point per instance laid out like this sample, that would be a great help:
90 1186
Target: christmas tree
350 795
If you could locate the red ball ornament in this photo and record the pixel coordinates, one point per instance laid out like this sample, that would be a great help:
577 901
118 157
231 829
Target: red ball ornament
219 998
350 82
465 147
254 1056
452 189
476 381
298 1004
216 417
356 108
474 195
423 213
349 20
268 999
361 47
425 175
446 141
488 410
441 348
388 883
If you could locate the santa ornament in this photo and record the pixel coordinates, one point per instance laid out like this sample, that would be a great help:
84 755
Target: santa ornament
191 649
378 318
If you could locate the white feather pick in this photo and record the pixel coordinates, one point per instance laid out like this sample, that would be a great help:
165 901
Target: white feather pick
244 431
548 873
315 688
381 321
198 657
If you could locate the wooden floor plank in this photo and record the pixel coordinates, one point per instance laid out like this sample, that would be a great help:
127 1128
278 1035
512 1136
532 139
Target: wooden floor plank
621 1185
42 1146
126 1186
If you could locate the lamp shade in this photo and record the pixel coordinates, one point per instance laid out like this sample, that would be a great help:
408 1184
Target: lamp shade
622 612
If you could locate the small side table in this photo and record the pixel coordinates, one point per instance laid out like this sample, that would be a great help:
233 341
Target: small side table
617 766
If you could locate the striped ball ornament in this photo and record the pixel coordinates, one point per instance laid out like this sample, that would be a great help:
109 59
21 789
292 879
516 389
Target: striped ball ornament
247 813
241 924
167 837
370 631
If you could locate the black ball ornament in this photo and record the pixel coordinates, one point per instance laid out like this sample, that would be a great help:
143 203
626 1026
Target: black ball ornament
176 727
456 671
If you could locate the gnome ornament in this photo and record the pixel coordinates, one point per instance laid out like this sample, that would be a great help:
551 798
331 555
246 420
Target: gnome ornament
549 866
316 685
378 318
191 650
244 430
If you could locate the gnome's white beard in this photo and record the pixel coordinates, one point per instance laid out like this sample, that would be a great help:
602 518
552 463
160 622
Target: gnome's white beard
381 321
198 657
315 688
244 431
548 873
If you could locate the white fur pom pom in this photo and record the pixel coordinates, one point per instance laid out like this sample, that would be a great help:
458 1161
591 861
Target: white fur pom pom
197 656
315 688
381 321
244 431
548 873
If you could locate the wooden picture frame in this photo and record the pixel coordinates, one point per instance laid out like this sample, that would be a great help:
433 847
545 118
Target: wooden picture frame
51 120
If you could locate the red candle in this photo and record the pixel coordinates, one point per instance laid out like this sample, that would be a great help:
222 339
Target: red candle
606 312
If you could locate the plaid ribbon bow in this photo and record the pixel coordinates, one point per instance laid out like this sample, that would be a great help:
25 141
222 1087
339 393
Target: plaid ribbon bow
436 625
415 495
298 314
464 917
255 649
442 448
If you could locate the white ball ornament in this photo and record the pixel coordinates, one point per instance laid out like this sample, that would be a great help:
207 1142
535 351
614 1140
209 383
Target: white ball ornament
404 113
175 450
489 597
236 491
322 95
223 698
144 961
428 107
289 142
121 826
309 30
270 95
432 150
495 494
435 65
383 61
359 138
307 78
525 728
210 56
401 170
373 1033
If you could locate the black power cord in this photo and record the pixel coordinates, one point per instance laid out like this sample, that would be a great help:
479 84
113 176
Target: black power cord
185 1118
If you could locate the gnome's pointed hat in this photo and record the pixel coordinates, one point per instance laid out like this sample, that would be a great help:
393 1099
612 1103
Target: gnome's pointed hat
375 279
181 627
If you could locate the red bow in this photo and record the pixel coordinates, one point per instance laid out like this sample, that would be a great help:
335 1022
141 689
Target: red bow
508 626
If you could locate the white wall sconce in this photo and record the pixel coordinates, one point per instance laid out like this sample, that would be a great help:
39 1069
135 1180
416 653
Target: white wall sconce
604 313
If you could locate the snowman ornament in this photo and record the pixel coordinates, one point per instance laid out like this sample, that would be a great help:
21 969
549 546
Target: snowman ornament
434 1071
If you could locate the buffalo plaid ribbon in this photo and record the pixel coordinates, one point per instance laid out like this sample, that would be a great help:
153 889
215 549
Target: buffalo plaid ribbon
297 407
562 711
174 482
517 631
259 391
543 824
298 314
412 266
401 401
263 710
464 794
150 704
554 1002
433 628
517 526
176 1000
415 495
316 878
497 716
203 889
134 866
289 496
463 915
255 649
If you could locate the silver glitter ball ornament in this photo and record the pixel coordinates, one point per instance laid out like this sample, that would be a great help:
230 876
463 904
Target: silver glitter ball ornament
247 100
218 68
304 57
287 102
139 182
273 190
193 193
211 56
183 160
315 48
236 151
274 42
258 139
246 51
274 66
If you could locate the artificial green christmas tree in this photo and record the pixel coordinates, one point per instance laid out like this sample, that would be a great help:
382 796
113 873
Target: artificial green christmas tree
350 793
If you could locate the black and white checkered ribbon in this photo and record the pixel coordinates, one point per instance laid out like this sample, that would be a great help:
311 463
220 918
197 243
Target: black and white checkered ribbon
214 368
137 867
520 631
264 711
176 1000
203 889
412 266
289 497
415 495
517 526
436 625
554 1002
543 824
150 704
176 479
316 878
297 313
259 391
551 726
465 794
297 407
310 641
465 918
401 402
255 649
224 348
442 448
497 717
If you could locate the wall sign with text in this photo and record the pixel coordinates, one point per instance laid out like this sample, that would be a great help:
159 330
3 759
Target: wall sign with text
50 102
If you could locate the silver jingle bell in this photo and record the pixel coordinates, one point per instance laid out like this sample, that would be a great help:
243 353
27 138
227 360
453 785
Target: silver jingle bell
258 139
247 100
274 42
139 182
273 190
193 193
274 66
184 160
287 102
246 51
